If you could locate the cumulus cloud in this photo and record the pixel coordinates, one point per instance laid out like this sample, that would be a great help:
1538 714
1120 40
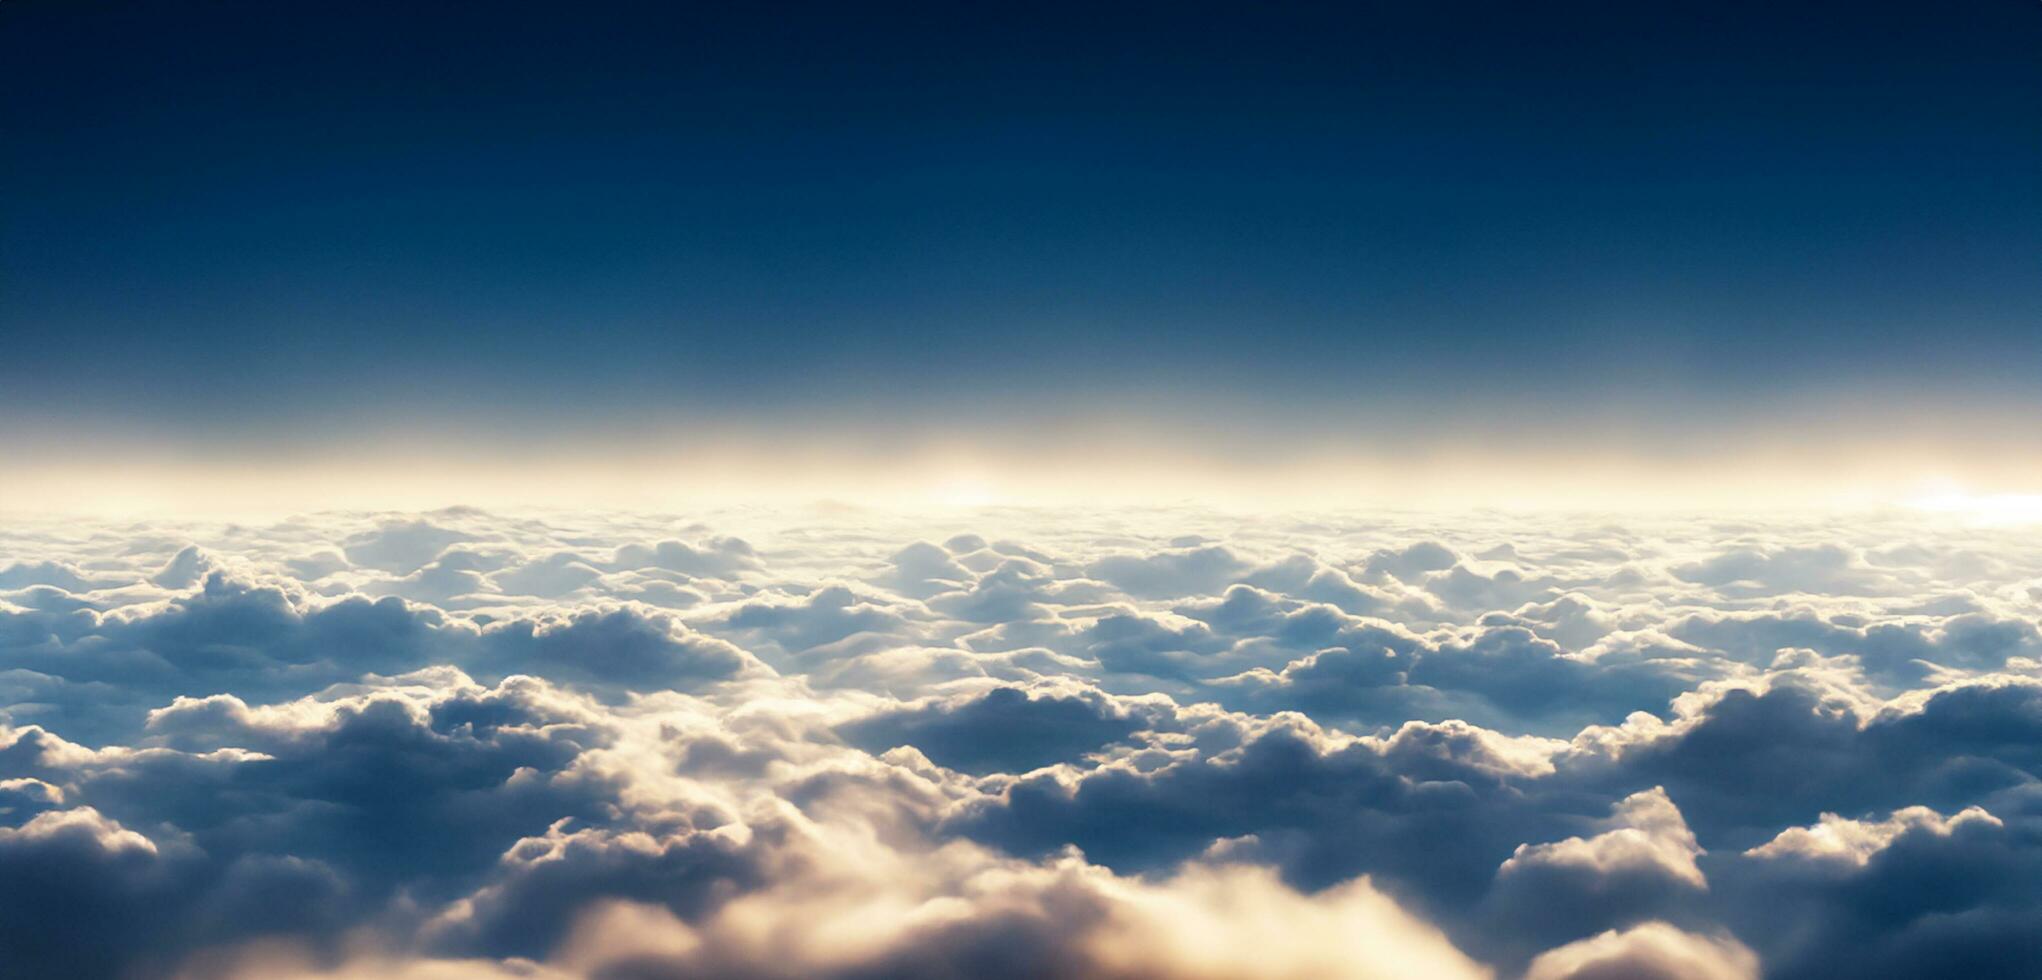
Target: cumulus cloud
1646 836
1854 842
1018 743
1003 730
1173 572
1654 951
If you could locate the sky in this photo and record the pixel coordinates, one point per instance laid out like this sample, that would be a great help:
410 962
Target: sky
241 232
1179 491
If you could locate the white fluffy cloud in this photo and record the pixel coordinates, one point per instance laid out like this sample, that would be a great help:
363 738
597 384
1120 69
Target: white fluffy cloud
1653 951
1646 835
1007 743
1855 842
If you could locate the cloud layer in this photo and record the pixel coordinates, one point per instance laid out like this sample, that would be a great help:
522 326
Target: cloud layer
1088 743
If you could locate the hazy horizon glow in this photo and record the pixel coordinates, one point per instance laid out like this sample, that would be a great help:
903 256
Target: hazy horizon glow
1808 470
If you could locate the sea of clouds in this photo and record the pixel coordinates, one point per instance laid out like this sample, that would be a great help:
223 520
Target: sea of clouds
1009 743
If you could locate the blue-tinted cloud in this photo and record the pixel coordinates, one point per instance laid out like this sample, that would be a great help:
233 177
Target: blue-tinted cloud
1103 745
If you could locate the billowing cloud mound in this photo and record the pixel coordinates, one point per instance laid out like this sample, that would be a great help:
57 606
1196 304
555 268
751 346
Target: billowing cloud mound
1026 744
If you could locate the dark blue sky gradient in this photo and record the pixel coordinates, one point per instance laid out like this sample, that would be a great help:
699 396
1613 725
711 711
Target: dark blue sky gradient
220 217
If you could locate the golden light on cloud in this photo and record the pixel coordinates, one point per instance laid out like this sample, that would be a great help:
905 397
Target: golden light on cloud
1984 508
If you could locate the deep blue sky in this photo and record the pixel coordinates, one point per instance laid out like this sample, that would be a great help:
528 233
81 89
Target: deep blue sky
223 217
